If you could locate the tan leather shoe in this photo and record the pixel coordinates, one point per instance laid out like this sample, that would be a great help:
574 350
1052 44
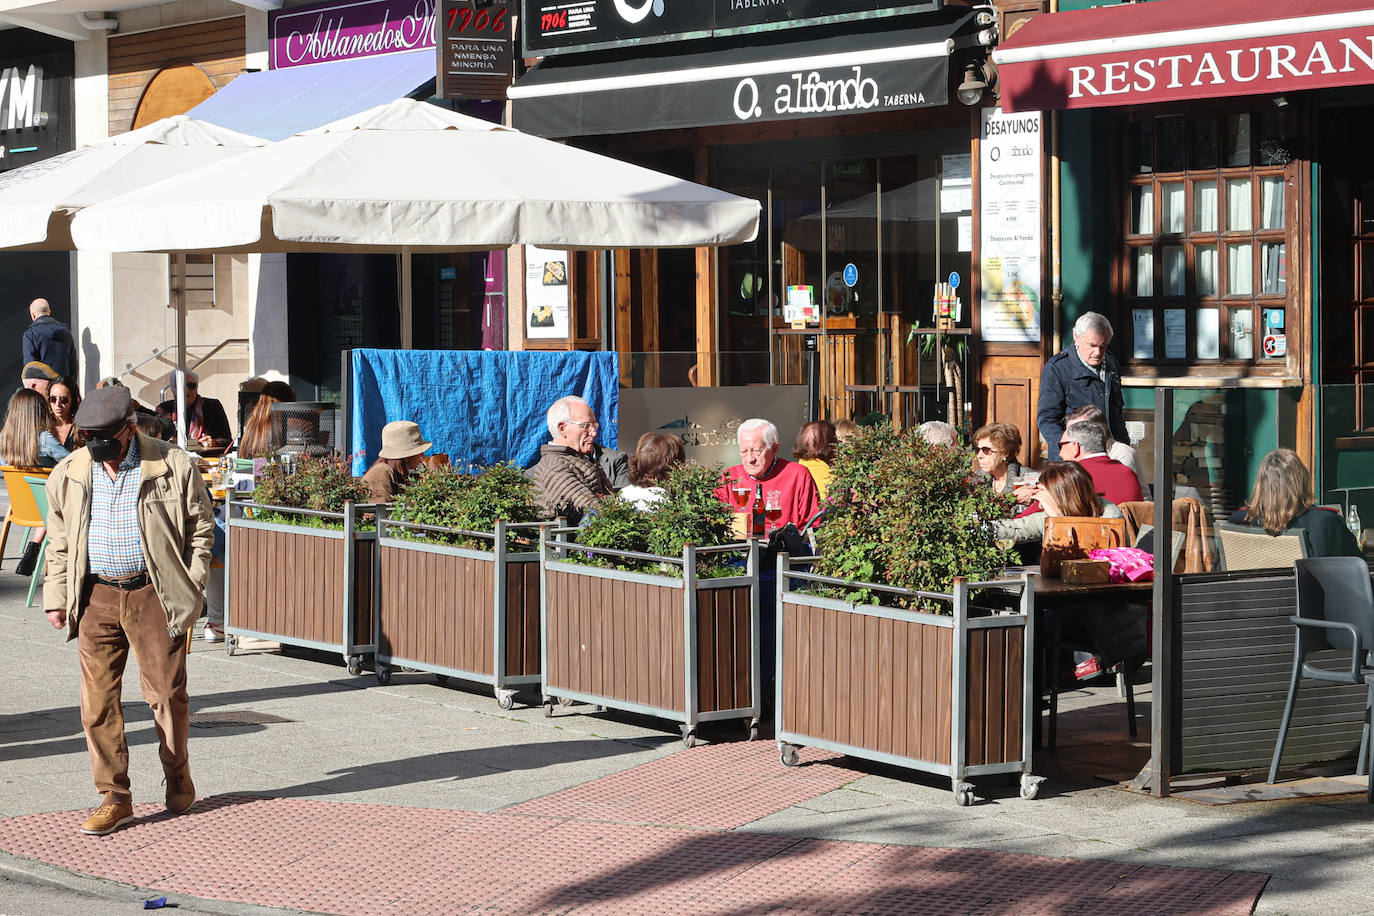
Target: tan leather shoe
108 819
181 793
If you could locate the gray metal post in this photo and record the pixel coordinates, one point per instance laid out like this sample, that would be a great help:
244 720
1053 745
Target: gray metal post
958 730
498 611
690 642
349 598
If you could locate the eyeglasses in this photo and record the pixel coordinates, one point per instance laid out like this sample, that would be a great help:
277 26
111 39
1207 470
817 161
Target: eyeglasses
590 427
985 450
59 399
192 386
756 452
1064 442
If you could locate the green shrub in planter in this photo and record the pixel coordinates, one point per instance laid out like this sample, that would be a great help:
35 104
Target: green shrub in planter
689 513
902 512
321 484
444 498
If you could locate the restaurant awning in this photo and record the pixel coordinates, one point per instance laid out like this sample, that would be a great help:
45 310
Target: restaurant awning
274 104
737 83
1175 50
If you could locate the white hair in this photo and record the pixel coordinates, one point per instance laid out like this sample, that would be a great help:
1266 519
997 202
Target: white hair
561 412
938 432
1092 321
763 427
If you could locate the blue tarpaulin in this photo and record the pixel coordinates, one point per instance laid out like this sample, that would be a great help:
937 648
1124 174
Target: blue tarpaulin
483 406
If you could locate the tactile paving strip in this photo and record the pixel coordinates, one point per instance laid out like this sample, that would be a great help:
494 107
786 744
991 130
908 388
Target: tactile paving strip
720 786
351 859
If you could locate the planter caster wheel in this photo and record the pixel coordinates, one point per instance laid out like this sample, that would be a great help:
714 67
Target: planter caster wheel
505 698
963 794
231 645
355 665
789 754
565 702
383 675
689 737
751 731
548 707
1030 786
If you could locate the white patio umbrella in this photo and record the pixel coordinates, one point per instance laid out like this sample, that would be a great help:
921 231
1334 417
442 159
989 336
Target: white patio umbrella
37 201
411 177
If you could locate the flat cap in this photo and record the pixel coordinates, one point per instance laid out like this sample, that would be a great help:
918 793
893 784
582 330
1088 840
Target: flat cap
36 369
104 408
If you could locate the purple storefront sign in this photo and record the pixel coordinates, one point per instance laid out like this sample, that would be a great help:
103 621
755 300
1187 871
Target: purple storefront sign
342 31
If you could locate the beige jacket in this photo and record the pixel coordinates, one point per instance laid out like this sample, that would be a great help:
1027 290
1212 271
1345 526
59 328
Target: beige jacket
175 519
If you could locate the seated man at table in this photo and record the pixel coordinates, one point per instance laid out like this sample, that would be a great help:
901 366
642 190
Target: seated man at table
206 422
760 466
567 479
938 432
1118 451
1086 443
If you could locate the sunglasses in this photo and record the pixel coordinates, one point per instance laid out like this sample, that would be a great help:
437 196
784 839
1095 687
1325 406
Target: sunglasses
59 399
985 450
192 386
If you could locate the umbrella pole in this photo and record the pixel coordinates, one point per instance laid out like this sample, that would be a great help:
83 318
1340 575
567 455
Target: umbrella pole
406 299
179 301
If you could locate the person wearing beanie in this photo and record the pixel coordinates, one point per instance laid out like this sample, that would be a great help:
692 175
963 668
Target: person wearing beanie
38 376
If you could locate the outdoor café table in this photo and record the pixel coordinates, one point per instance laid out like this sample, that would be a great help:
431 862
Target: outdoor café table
1054 599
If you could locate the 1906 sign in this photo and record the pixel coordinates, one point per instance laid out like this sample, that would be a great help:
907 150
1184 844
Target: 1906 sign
476 49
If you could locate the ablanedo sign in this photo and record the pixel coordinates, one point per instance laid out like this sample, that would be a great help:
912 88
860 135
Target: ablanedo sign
561 26
343 31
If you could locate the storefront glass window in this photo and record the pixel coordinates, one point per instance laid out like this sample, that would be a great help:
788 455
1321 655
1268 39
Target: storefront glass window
1205 206
1238 205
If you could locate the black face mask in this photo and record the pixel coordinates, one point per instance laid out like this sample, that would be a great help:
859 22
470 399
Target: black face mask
103 450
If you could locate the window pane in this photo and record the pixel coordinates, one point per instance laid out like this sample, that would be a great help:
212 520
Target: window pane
1173 270
1205 270
1238 217
1143 209
1242 334
1367 271
1366 319
1203 154
1170 145
1273 269
1208 333
1143 268
1172 196
1273 145
1143 145
1271 203
1175 334
1237 140
1239 270
1143 340
1205 206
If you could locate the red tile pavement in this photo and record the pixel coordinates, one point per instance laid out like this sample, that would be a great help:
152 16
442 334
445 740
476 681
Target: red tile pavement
616 845
717 786
367 859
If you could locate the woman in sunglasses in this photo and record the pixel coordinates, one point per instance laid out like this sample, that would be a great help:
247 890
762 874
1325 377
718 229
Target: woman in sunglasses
27 440
64 397
995 448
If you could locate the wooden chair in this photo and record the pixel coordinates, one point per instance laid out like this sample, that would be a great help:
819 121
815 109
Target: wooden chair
23 511
1244 547
1070 537
1194 547
438 460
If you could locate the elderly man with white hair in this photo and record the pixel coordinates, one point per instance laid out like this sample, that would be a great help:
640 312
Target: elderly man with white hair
938 432
567 479
1085 374
760 467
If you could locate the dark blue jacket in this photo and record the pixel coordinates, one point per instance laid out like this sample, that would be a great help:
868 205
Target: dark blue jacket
47 340
1067 384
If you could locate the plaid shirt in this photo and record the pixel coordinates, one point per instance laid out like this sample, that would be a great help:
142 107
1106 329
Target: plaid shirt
114 544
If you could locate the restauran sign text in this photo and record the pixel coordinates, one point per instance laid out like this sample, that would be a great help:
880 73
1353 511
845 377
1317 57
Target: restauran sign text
344 31
21 98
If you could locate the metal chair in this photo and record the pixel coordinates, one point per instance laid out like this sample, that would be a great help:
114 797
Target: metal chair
38 486
1335 611
1244 547
23 512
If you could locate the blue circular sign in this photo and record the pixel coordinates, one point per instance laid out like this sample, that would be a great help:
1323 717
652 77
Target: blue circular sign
954 279
851 275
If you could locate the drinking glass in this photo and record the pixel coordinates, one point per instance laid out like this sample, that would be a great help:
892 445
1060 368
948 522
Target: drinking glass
773 507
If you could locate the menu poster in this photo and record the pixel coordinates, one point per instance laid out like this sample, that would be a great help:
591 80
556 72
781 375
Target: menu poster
546 293
1143 326
1010 234
1175 334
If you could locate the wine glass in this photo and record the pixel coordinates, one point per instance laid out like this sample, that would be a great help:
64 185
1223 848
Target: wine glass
739 494
772 507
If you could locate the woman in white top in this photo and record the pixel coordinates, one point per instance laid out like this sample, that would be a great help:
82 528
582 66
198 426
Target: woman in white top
655 455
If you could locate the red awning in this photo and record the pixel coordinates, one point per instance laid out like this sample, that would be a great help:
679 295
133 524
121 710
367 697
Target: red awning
1172 50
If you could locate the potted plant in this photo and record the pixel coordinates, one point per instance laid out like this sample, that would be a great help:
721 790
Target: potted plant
883 651
300 561
459 579
655 612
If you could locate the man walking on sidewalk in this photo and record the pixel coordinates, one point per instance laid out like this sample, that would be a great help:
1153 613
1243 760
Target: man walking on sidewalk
130 528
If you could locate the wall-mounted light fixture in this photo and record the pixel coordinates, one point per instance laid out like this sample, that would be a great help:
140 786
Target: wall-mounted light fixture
975 83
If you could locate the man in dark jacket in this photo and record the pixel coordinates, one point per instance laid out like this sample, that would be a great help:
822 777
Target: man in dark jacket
206 421
1085 373
48 341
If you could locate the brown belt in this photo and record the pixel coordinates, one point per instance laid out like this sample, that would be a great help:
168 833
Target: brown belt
124 583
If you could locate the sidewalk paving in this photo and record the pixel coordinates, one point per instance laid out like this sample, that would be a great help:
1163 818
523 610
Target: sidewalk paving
328 793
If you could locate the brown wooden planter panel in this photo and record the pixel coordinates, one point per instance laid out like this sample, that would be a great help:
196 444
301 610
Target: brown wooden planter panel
996 660
364 558
616 639
437 609
723 648
269 592
522 618
867 681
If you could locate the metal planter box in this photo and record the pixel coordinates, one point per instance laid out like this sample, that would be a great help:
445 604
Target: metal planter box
301 586
950 695
679 648
459 612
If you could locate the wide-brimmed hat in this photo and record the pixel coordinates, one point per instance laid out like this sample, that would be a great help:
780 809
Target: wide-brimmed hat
402 439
